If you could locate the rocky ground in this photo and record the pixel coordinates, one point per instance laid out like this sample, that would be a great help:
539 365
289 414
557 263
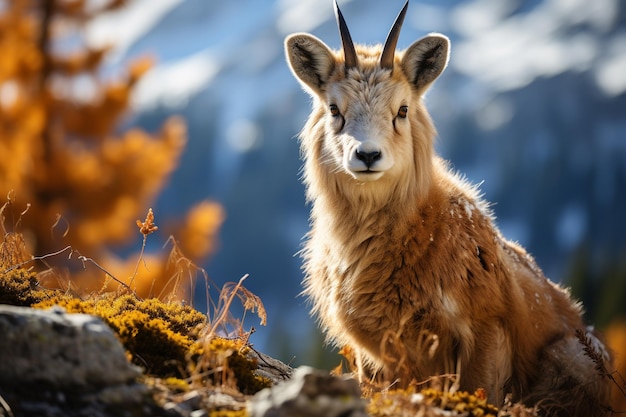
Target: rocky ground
59 364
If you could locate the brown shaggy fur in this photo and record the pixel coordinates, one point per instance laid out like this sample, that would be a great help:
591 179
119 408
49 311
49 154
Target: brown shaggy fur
404 263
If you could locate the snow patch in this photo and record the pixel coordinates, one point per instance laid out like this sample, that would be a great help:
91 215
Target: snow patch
511 52
610 75
170 85
303 15
125 26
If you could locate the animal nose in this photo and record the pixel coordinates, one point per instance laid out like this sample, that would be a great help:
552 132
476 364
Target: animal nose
368 157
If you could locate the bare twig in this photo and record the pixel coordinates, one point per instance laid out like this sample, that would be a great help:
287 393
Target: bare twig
84 259
6 407
57 223
39 258
81 258
143 248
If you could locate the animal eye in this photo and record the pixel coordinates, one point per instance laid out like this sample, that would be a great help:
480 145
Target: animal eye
402 111
334 110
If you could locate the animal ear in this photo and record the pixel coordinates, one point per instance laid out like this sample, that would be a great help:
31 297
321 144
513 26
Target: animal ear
310 60
426 59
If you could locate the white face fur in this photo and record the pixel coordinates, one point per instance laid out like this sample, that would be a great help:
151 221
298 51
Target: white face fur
368 131
368 105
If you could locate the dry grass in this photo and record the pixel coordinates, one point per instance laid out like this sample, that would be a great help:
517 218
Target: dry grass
619 384
440 395
170 339
13 247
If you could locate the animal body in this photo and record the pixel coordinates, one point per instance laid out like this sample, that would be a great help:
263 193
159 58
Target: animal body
403 261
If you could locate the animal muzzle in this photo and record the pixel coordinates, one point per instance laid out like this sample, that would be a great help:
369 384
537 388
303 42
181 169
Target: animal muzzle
369 158
367 162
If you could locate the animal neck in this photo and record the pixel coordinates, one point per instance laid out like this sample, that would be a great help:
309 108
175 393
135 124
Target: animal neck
347 207
339 200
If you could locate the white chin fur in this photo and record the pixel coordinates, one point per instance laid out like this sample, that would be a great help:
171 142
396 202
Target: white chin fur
367 176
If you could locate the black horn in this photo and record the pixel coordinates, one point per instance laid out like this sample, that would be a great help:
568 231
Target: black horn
389 51
346 40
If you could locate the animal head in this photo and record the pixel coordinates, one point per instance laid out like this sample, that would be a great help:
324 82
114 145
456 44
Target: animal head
368 125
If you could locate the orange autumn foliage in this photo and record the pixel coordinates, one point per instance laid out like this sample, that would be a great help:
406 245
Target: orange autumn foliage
615 335
198 233
60 152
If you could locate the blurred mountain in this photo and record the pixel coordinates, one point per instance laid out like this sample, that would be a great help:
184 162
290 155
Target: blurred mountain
533 105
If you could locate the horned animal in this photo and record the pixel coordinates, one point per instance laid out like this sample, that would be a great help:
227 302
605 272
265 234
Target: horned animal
404 263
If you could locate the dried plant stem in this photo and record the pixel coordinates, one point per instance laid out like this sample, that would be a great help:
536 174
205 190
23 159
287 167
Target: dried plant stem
145 228
225 308
621 387
143 248
86 259
81 258
598 359
5 406
39 258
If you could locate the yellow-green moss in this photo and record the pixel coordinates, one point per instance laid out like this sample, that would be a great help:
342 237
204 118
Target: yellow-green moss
228 413
152 343
461 401
20 287
398 403
180 319
232 356
176 384
160 336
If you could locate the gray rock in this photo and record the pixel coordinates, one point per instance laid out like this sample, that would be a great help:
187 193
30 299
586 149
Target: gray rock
178 409
59 349
54 364
310 393
192 400
270 368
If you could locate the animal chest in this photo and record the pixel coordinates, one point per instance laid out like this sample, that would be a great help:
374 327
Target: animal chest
409 284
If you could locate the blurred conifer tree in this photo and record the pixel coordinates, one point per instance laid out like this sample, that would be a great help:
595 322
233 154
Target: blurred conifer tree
85 184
